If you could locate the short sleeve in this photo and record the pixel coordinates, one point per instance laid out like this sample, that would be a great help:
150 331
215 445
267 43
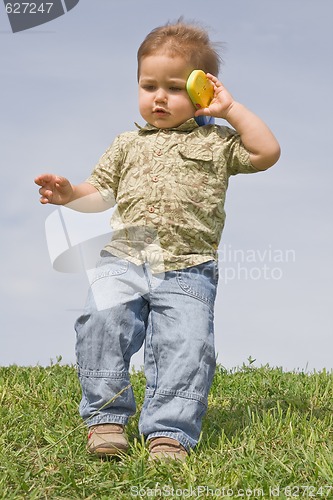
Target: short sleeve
106 174
236 155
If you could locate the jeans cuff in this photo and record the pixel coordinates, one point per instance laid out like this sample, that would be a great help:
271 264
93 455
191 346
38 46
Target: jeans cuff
107 419
180 437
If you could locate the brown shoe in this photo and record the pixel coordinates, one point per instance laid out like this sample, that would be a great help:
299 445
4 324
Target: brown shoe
164 448
107 439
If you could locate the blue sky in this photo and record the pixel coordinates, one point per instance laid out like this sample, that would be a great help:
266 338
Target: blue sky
69 87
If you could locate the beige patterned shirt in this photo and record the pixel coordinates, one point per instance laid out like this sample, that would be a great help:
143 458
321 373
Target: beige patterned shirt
170 187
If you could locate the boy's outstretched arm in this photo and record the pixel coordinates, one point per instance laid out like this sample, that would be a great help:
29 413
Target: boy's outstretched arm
256 136
83 197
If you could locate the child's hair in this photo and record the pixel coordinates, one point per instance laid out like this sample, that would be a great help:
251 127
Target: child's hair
185 40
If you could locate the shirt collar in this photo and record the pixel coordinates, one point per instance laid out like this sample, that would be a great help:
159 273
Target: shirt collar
187 126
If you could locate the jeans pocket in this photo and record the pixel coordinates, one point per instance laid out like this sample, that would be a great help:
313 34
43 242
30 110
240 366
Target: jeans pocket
200 281
109 265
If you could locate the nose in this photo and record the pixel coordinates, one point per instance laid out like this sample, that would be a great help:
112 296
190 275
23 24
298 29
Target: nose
161 95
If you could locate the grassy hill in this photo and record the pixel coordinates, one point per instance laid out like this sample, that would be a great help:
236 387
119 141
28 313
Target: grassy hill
267 434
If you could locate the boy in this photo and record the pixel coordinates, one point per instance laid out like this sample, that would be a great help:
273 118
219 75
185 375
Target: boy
156 280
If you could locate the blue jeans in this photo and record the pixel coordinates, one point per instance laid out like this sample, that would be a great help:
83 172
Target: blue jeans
173 315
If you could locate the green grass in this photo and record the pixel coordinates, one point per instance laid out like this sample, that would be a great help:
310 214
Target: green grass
267 434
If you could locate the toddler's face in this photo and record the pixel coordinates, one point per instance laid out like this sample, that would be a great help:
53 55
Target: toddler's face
163 99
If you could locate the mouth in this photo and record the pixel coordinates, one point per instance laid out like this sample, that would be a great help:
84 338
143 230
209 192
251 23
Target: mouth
160 112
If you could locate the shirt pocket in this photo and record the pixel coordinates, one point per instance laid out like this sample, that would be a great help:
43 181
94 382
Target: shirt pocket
195 153
196 176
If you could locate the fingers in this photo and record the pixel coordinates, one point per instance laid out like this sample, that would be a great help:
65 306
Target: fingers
44 201
214 79
203 112
53 189
46 195
60 180
218 86
46 181
43 179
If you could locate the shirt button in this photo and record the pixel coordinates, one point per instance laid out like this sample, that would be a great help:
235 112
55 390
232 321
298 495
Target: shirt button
155 178
148 240
151 209
158 152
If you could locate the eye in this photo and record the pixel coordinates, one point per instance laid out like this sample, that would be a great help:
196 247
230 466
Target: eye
176 89
148 87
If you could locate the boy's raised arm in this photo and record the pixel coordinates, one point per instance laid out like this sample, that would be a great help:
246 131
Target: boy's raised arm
256 136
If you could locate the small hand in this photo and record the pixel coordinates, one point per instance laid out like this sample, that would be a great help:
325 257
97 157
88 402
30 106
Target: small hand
221 103
54 189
